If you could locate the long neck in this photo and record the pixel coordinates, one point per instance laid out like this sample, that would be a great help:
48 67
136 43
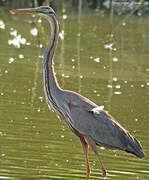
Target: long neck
51 87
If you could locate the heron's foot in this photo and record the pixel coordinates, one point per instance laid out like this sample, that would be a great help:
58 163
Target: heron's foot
87 176
104 172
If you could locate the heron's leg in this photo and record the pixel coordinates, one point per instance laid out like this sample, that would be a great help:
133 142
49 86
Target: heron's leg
92 144
85 149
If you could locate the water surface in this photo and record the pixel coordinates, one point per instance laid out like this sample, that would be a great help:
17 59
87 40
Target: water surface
105 60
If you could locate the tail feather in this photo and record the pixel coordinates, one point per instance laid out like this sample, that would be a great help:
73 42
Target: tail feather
135 147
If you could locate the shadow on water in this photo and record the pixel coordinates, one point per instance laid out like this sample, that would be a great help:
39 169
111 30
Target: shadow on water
103 58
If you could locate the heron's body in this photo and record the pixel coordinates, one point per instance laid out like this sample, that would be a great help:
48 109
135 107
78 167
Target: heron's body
87 120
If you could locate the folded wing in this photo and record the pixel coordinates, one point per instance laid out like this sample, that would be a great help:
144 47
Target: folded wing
103 129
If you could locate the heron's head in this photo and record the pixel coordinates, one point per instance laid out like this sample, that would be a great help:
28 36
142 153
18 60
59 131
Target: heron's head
42 10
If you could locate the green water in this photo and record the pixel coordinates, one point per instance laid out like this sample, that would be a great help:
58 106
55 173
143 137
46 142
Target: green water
106 61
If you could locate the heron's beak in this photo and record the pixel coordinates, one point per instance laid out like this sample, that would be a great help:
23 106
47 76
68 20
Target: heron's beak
25 11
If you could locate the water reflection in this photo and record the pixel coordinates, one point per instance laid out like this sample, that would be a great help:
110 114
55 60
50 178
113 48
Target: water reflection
2 24
34 144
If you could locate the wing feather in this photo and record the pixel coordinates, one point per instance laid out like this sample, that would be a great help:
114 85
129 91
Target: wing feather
100 126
